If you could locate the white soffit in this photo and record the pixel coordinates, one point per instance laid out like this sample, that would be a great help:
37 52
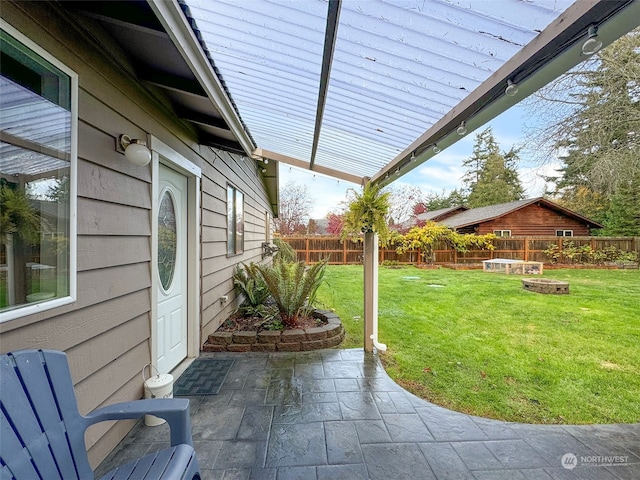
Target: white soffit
398 68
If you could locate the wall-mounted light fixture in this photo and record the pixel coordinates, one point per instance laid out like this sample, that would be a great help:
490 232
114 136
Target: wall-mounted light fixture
135 150
591 45
263 170
462 129
269 249
511 90
266 161
436 149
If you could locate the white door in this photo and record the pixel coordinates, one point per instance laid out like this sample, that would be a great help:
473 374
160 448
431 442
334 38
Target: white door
172 269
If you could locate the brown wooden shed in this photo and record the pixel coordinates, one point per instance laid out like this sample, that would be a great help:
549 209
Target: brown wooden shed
529 217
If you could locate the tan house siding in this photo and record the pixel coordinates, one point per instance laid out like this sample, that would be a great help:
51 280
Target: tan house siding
106 332
222 169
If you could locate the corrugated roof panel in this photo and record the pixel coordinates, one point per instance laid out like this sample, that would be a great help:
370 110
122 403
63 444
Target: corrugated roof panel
35 120
418 57
269 55
398 67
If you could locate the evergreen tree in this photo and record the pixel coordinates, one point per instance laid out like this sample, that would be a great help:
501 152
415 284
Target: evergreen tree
484 146
436 201
623 216
491 177
584 201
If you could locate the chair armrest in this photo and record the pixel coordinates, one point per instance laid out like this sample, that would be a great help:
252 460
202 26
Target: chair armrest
174 410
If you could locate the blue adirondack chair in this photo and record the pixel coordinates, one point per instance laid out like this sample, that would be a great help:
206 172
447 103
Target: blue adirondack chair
42 432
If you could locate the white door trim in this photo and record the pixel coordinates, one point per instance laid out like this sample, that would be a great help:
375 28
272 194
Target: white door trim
162 153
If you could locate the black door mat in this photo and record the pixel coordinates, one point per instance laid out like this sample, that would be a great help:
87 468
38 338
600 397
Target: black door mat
203 377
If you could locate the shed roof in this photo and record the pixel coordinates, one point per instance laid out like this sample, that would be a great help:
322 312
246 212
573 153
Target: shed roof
474 216
435 214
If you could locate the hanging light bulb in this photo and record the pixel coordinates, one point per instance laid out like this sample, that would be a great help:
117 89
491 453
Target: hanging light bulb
462 129
266 161
436 148
592 44
413 157
511 90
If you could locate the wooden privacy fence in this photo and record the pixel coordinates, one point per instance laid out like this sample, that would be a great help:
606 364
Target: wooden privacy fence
312 249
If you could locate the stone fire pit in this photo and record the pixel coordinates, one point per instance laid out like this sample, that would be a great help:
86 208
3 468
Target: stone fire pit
546 285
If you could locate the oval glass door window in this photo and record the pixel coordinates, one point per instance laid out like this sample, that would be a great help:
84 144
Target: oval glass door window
167 240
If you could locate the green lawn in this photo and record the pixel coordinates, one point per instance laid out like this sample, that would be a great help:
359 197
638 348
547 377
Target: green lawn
478 343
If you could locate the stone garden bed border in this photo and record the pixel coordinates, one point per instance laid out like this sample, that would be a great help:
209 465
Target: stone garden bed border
304 339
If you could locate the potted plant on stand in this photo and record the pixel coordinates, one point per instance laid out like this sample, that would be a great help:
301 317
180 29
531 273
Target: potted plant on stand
366 213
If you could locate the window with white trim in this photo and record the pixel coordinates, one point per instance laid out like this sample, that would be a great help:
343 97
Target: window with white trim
235 221
564 233
38 125
502 233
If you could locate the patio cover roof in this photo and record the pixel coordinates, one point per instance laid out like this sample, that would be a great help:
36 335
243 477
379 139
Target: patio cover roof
358 90
363 89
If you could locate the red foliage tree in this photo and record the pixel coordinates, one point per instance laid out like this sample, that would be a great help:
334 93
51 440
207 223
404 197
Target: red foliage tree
334 227
419 208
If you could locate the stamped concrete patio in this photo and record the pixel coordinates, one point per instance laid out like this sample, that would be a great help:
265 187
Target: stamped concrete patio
335 414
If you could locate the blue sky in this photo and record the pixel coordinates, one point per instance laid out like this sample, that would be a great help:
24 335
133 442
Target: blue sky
444 171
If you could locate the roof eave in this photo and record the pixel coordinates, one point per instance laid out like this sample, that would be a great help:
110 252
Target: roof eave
570 213
175 23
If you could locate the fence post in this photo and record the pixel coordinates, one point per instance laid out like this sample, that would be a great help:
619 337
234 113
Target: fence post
526 249
560 254
306 250
344 252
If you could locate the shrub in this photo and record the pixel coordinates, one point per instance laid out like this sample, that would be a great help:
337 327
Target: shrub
571 253
431 234
285 252
249 282
293 287
391 264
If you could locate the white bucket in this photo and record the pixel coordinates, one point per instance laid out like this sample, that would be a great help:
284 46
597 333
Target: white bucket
158 386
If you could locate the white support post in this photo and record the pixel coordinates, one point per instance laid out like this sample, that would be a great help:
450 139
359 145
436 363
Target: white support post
371 293
370 288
